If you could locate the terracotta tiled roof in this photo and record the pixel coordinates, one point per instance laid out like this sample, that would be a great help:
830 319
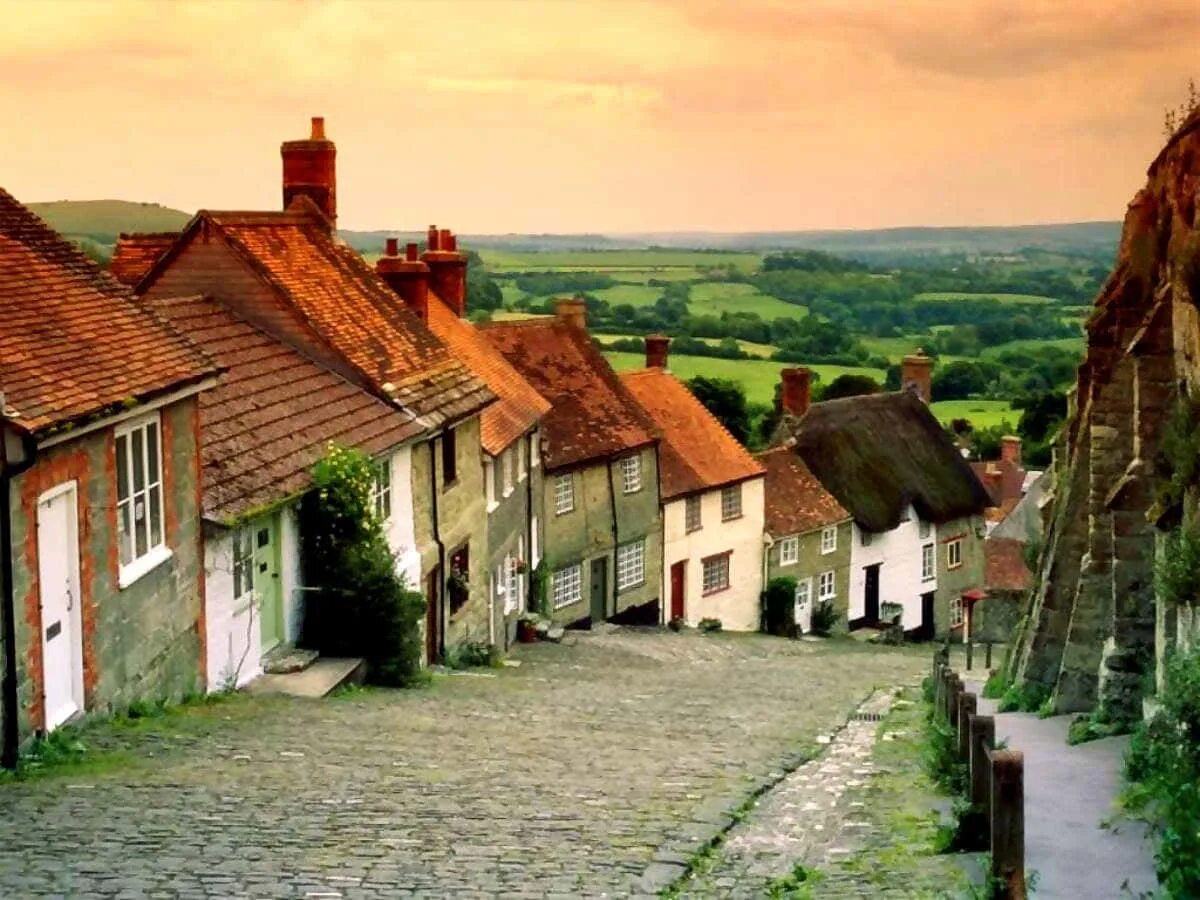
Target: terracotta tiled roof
796 502
73 341
1005 569
696 452
592 415
273 413
136 253
341 299
519 406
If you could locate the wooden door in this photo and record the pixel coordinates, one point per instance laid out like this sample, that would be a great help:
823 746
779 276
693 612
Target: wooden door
433 616
928 626
871 595
267 588
678 582
58 589
599 589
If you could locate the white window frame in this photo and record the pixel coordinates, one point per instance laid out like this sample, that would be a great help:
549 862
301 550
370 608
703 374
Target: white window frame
956 612
721 582
564 493
828 540
155 552
954 553
631 474
535 555
535 450
928 562
631 565
489 478
693 504
566 585
803 594
789 550
241 542
827 586
381 489
731 502
506 466
519 449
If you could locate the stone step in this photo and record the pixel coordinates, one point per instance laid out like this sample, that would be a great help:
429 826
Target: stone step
324 675
285 659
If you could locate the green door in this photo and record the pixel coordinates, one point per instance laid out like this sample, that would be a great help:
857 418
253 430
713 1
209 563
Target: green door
265 537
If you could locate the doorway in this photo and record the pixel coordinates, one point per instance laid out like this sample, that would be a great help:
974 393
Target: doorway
678 583
264 534
599 589
928 626
871 595
58 588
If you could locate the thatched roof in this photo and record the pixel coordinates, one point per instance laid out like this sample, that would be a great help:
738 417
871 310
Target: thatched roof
877 454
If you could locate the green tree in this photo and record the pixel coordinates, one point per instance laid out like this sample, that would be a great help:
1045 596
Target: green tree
849 385
726 400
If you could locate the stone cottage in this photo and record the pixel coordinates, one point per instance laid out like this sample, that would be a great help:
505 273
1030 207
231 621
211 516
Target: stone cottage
600 460
103 568
711 494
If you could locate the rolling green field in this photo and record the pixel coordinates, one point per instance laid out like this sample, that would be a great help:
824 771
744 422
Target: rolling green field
999 298
761 350
500 261
981 413
712 298
1074 344
633 294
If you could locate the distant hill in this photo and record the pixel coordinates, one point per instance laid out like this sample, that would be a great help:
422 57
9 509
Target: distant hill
102 220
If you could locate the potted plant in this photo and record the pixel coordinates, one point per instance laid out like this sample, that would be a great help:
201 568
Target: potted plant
527 629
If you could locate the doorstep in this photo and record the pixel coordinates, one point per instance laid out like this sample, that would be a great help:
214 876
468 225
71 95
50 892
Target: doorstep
318 679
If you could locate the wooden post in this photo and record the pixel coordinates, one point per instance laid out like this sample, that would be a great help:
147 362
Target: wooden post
956 689
967 707
982 731
970 652
987 661
1008 823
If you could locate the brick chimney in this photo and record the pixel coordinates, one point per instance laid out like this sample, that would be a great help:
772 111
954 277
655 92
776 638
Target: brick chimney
916 375
1010 449
572 311
407 276
797 391
447 269
656 351
310 169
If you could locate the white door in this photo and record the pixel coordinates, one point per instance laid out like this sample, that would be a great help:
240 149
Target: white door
58 581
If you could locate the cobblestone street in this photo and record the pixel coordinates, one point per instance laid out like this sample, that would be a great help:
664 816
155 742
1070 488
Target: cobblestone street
562 777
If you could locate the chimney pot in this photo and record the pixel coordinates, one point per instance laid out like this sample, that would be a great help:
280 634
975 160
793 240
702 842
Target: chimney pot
410 251
318 128
431 240
572 312
1010 449
444 239
797 391
310 169
916 375
656 351
393 247
450 241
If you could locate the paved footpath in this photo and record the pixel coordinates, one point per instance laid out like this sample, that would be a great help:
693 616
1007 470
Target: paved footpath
1075 838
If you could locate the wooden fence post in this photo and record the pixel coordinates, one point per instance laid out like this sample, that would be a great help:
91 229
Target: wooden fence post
983 738
970 653
953 689
987 660
1008 824
968 705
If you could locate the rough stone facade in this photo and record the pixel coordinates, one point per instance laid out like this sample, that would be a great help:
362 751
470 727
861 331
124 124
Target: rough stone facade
1089 632
952 582
811 562
593 529
514 525
143 641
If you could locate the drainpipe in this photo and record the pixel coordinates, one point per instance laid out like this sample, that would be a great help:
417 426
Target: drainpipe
440 600
527 452
25 458
612 498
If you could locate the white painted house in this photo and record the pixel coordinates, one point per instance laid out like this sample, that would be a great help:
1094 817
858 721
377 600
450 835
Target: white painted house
897 566
711 492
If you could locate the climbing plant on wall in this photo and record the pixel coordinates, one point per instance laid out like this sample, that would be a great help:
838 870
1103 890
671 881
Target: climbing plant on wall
358 603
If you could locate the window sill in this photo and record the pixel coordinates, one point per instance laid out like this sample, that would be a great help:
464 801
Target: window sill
731 518
827 599
929 579
712 591
955 566
564 512
828 552
143 566
507 493
787 563
492 506
694 530
634 491
631 587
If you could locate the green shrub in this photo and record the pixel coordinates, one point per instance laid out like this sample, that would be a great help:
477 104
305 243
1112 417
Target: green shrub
1030 696
996 686
469 654
779 607
824 619
1177 569
940 755
360 606
1163 763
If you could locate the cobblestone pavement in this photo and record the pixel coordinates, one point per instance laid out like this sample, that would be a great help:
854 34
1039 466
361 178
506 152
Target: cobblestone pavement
567 776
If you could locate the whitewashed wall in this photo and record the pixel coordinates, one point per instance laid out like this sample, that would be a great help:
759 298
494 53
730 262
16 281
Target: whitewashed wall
289 571
899 553
232 631
737 607
401 528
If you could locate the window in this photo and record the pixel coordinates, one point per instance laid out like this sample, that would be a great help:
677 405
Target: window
243 562
458 585
139 499
519 450
924 529
826 589
789 551
564 494
631 474
449 457
692 514
535 555
514 584
865 537
927 562
716 573
631 565
567 585
803 595
507 463
828 539
731 502
535 450
489 483
956 612
954 554
381 490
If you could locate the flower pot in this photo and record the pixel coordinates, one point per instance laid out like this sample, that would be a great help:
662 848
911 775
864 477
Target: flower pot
526 632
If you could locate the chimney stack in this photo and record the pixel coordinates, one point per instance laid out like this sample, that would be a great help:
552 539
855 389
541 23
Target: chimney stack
572 312
407 276
310 169
916 375
797 391
447 269
1010 449
656 351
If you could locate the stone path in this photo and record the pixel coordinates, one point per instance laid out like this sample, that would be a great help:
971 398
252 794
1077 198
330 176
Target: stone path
1075 839
564 777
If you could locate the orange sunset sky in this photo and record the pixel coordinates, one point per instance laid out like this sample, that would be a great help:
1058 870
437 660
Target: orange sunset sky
570 116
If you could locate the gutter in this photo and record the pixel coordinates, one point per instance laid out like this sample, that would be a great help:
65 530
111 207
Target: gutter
11 738
612 504
527 452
